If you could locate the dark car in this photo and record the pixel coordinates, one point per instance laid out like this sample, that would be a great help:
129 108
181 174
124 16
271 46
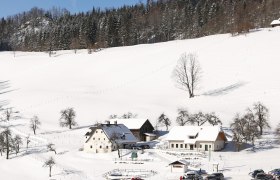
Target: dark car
192 175
263 176
141 146
255 172
215 176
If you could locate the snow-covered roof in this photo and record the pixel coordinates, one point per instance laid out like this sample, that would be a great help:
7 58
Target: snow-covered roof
119 132
275 22
182 161
130 123
191 134
182 132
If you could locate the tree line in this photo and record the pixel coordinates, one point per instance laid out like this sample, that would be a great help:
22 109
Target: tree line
149 22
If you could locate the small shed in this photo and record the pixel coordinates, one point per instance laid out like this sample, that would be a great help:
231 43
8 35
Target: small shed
150 136
180 166
275 23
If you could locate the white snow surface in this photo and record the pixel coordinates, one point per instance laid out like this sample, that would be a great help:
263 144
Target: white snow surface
237 72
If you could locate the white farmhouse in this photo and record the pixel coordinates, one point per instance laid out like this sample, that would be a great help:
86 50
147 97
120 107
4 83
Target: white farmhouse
108 137
200 138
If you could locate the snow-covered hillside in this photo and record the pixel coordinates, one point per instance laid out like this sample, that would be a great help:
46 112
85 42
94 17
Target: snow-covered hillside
237 72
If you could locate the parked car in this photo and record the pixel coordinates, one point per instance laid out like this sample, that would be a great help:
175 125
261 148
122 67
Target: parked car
142 145
263 176
215 176
274 172
255 172
192 175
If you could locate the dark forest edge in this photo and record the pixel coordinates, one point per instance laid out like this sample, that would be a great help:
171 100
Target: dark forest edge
152 22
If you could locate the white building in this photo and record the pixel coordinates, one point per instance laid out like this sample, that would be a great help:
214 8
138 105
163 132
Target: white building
180 166
108 137
200 138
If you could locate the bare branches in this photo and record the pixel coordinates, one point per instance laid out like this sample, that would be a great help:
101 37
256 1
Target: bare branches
163 119
67 118
187 73
261 114
34 124
49 163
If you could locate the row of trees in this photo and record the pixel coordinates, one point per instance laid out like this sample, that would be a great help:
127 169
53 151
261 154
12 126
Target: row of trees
184 118
150 22
248 127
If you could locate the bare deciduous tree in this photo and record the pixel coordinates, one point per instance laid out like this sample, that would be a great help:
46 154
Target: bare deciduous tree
7 141
213 119
187 73
198 118
67 118
164 120
49 163
17 142
9 114
245 129
261 114
51 147
238 129
183 117
34 124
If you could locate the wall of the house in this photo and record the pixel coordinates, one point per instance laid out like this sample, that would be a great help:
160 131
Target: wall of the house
199 146
219 145
98 143
179 168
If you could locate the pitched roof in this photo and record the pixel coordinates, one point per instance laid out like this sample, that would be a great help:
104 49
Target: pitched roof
182 161
119 132
130 123
198 133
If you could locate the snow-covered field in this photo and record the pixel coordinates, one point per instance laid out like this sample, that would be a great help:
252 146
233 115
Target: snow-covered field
237 72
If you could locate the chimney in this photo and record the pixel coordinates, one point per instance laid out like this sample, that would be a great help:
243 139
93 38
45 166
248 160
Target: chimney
108 122
116 122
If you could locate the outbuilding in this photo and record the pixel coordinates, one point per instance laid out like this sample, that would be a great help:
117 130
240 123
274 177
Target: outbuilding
180 166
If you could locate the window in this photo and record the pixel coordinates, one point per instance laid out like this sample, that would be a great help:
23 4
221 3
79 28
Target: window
209 146
181 145
172 145
93 138
100 147
186 146
104 138
101 131
98 138
177 146
200 146
195 146
90 146
96 131
107 147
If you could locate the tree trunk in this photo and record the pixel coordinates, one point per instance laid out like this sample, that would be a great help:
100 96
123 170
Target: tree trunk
261 130
34 131
70 127
7 146
50 174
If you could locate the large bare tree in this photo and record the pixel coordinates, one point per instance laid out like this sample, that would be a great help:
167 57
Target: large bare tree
6 141
164 120
49 163
34 124
67 118
183 117
187 73
261 115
